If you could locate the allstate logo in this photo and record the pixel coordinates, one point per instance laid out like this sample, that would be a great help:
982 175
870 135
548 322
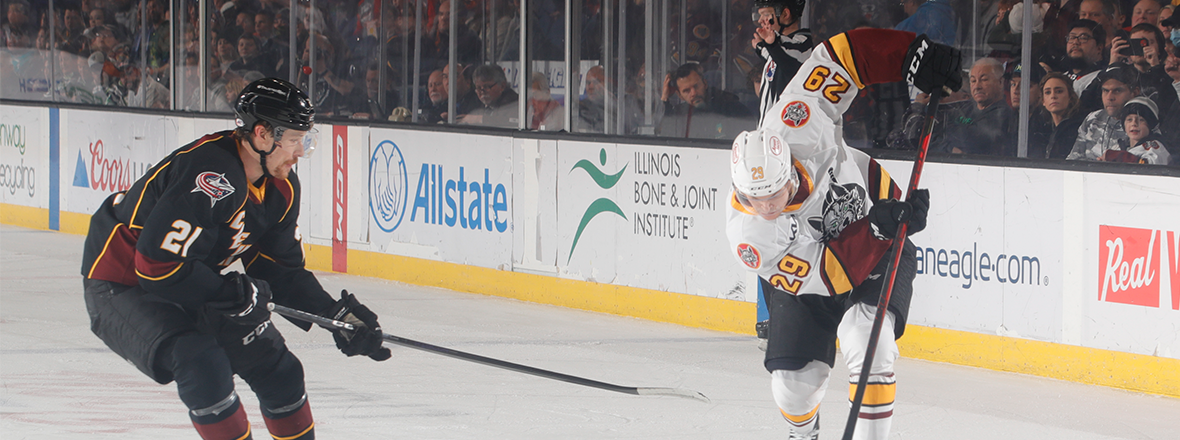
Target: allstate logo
387 186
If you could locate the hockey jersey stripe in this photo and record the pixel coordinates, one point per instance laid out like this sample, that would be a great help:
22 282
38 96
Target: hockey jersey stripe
840 50
871 56
881 184
116 253
143 191
155 270
834 275
284 187
876 394
207 139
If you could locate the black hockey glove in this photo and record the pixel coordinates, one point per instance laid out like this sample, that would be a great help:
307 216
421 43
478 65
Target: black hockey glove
242 299
920 201
366 339
931 66
887 215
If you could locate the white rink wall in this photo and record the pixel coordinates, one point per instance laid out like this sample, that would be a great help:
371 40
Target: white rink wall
1077 258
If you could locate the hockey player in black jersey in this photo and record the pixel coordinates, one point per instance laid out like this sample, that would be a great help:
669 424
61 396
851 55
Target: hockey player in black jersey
155 253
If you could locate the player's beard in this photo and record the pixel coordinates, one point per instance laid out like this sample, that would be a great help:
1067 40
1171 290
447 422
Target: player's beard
282 170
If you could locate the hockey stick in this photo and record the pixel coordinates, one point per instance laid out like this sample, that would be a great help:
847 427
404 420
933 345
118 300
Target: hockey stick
887 288
639 391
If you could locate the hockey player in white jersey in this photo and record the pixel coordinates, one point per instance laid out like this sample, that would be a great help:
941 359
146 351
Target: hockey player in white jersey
815 219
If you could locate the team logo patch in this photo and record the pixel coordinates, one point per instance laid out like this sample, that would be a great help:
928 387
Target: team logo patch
214 185
749 255
796 114
842 206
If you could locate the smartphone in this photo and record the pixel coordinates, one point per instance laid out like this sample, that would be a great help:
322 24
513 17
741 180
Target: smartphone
1126 36
1137 45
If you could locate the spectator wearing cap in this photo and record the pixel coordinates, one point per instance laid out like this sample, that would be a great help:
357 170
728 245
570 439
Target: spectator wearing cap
1140 119
985 126
1102 129
1053 127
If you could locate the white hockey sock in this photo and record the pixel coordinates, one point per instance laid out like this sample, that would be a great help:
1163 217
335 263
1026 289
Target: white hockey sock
798 394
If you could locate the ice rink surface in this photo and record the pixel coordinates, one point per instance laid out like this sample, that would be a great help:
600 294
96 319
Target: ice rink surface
60 381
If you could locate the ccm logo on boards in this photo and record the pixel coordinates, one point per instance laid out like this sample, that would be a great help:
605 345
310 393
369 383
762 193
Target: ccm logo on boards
1132 267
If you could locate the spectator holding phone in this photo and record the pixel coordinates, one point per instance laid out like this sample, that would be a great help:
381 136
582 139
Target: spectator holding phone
1142 48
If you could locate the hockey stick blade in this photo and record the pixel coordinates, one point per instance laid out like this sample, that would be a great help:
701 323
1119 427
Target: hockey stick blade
638 391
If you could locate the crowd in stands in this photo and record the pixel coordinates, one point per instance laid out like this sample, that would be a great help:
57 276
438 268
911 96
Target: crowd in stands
1102 79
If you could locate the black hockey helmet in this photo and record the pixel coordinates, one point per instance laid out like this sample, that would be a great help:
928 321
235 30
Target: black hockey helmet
275 101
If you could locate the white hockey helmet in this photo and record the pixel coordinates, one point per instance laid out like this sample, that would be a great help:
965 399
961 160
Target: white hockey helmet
761 165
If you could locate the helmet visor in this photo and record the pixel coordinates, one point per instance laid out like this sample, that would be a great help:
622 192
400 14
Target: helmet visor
770 206
292 139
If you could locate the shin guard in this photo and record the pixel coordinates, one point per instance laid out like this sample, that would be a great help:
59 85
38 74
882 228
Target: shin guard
293 422
798 394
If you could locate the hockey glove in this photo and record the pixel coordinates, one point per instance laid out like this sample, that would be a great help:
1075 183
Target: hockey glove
242 299
366 339
920 201
886 216
930 66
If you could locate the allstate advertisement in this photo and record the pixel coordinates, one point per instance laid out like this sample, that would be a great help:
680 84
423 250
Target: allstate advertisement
990 259
104 152
441 196
24 156
646 216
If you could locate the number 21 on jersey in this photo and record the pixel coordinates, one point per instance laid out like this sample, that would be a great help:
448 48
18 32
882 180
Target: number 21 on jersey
791 267
180 238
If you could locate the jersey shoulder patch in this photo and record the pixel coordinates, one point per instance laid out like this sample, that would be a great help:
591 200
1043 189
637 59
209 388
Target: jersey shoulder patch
214 185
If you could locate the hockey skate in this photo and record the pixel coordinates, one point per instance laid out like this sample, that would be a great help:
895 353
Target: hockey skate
813 436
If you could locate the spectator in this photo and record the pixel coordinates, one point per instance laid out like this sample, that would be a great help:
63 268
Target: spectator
704 112
1104 12
1083 54
1054 126
71 37
436 41
935 18
1146 11
378 107
103 59
985 127
158 40
544 112
20 30
468 101
1006 37
1140 118
433 110
499 100
272 48
249 59
227 54
781 44
144 91
1102 129
1016 83
244 24
592 103
334 94
1152 48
